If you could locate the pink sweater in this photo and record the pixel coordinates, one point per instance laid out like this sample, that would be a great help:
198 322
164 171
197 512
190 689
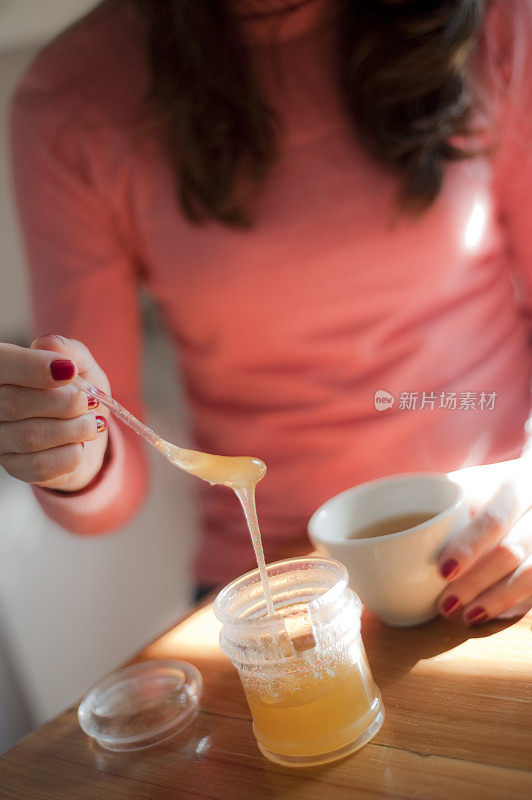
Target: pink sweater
285 332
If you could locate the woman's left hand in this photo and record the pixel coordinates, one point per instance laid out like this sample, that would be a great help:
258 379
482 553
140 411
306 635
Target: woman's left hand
489 564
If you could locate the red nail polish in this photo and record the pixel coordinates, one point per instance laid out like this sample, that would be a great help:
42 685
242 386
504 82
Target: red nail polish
62 369
476 615
449 568
92 402
101 424
451 605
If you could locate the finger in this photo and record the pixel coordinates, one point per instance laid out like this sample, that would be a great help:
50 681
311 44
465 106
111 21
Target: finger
480 483
518 610
77 352
501 560
484 531
507 593
34 435
21 366
44 466
66 402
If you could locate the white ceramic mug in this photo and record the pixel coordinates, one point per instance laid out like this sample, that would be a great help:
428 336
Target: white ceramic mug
395 575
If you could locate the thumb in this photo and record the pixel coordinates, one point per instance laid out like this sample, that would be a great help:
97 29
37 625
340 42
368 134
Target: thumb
88 368
54 343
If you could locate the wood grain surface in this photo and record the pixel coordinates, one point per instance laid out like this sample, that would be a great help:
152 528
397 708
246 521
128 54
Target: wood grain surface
458 726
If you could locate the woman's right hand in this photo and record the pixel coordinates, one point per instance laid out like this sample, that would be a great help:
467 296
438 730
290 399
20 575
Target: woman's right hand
51 434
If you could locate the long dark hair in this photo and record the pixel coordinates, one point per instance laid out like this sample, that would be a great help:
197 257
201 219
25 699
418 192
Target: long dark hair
402 71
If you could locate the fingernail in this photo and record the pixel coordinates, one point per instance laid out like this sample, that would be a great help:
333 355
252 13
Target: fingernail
48 335
450 605
55 336
476 615
101 424
92 402
449 568
62 369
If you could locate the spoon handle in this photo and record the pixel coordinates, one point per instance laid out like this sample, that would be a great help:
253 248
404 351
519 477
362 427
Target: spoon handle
122 413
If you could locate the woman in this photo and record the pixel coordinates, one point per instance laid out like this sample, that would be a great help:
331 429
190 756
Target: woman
327 199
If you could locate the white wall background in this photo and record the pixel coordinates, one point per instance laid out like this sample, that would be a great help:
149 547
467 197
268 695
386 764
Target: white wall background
73 608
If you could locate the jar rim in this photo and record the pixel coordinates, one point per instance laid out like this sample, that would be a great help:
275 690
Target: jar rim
276 567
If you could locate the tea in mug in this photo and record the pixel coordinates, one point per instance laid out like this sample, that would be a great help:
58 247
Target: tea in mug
395 524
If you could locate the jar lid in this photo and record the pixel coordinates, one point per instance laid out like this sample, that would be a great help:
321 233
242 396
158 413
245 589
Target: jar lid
141 705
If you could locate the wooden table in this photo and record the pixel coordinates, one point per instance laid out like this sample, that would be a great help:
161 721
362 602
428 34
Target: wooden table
458 726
